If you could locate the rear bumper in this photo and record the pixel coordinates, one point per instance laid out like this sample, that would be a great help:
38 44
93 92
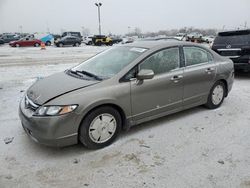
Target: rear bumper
242 66
242 63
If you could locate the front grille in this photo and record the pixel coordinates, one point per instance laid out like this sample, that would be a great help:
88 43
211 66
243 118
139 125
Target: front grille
29 104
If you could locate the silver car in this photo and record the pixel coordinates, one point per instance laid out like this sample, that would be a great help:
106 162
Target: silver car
121 87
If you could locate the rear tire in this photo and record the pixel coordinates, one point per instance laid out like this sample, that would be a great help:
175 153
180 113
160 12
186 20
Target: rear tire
216 95
77 44
100 127
48 43
36 44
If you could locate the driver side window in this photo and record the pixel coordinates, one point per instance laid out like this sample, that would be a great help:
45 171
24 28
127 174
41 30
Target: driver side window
162 61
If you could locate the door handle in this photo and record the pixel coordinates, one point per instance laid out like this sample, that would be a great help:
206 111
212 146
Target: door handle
176 78
209 70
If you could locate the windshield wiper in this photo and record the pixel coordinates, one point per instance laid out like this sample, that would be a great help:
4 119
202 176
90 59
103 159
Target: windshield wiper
86 74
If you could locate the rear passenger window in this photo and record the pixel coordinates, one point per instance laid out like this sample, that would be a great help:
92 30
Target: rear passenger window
195 56
162 62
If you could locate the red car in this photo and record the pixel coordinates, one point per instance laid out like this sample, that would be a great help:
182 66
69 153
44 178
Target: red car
25 42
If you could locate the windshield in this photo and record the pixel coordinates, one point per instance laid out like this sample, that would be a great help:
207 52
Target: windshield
110 62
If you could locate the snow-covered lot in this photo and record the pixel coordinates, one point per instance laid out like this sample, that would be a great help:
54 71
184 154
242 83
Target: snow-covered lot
195 148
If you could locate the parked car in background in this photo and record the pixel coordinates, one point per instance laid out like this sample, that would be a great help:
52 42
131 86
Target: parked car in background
127 40
46 38
121 87
1 41
234 45
116 40
56 37
9 37
24 42
71 33
208 39
159 39
22 35
99 40
68 41
88 40
194 35
180 36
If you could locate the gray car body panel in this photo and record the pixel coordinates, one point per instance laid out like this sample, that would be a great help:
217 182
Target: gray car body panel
41 91
139 102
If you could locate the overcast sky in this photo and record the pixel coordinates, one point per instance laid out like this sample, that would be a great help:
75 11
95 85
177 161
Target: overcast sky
118 15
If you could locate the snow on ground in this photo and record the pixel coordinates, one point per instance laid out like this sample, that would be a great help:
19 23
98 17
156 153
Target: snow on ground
195 148
31 55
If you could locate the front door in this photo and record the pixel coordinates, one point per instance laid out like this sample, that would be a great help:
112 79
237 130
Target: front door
162 94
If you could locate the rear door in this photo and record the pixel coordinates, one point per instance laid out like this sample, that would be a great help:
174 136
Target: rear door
67 41
71 41
162 94
199 75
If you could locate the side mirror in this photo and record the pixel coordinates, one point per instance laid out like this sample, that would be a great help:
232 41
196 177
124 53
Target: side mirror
145 74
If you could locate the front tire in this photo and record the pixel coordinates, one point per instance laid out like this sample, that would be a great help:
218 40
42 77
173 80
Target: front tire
100 127
216 95
77 44
48 43
36 44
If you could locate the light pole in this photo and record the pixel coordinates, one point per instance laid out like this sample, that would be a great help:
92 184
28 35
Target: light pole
99 16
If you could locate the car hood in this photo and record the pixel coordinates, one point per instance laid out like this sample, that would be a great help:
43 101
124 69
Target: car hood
54 86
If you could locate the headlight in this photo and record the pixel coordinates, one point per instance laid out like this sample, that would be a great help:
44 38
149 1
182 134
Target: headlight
54 110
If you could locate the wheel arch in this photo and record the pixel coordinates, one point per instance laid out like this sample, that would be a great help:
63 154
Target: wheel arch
226 85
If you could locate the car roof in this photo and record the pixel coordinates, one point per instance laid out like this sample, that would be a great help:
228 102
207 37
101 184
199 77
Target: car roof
159 44
235 32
